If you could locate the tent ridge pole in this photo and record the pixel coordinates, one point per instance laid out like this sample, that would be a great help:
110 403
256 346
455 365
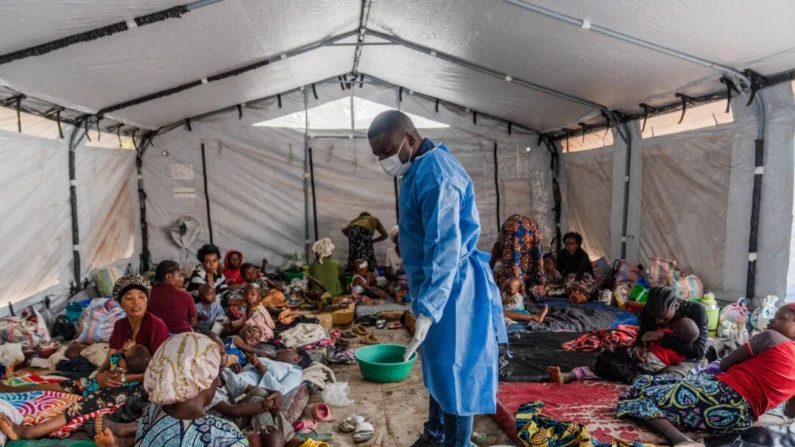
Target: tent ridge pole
364 15
472 66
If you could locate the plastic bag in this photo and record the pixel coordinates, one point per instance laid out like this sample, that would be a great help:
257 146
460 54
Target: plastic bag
762 315
336 394
736 313
295 264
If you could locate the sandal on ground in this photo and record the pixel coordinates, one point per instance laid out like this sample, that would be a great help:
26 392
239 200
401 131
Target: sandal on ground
315 436
348 335
313 443
364 432
380 324
349 424
395 325
369 340
321 412
360 330
304 425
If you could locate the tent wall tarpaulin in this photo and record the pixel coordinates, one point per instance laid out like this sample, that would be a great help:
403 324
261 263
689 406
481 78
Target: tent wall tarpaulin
497 73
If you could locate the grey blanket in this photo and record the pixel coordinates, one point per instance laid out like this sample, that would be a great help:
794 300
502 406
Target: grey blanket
573 320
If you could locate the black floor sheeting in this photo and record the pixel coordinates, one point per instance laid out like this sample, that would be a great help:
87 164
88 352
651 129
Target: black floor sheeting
778 436
534 351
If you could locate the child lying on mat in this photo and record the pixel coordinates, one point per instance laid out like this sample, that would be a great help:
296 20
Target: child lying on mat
513 305
364 285
133 359
655 357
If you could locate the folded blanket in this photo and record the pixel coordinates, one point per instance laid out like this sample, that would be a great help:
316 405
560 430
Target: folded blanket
319 374
303 334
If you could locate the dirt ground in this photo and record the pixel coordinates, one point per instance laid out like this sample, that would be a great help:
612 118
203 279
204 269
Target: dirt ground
396 410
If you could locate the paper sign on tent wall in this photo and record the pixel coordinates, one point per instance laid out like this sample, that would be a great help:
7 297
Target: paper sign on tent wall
184 193
181 172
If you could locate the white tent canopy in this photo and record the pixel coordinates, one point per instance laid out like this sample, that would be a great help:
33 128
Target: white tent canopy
496 73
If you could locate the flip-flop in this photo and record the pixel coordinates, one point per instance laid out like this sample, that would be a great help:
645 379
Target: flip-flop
360 330
315 436
395 325
304 425
364 432
380 324
349 335
369 340
321 412
349 424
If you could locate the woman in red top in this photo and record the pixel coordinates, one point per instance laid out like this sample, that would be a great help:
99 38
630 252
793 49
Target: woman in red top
138 327
755 378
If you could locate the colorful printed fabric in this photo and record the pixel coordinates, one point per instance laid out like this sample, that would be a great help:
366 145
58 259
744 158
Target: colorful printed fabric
157 429
587 284
32 379
522 256
622 337
360 246
38 406
99 399
700 403
185 365
78 422
536 430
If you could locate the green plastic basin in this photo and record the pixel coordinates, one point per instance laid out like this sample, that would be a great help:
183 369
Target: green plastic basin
384 363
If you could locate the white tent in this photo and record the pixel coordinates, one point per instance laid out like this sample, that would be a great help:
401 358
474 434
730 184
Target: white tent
517 89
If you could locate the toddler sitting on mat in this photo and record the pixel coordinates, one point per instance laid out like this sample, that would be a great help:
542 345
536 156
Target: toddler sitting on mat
513 304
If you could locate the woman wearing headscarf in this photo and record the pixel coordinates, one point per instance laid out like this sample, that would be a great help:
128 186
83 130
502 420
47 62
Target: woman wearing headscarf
575 267
360 234
181 382
327 275
112 387
519 250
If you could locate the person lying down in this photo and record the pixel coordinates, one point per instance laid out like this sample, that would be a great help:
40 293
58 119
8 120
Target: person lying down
132 360
513 304
653 359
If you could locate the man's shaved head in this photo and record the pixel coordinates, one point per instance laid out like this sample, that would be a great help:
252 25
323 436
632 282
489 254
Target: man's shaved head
389 130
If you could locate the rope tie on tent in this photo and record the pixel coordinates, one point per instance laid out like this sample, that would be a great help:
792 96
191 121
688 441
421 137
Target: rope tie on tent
135 145
685 101
585 129
730 85
646 109
510 126
239 112
757 82
568 133
11 310
348 85
314 93
342 86
99 132
105 31
400 94
474 117
279 98
437 105
187 124
17 101
60 127
361 81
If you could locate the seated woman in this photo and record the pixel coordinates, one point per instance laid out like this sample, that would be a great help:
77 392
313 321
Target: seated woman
397 285
360 234
755 378
519 250
169 301
208 272
138 327
364 286
181 382
575 268
328 274
660 317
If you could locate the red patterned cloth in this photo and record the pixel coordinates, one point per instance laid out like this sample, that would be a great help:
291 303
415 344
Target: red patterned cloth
78 422
621 337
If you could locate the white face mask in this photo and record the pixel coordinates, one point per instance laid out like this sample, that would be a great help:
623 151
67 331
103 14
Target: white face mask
393 166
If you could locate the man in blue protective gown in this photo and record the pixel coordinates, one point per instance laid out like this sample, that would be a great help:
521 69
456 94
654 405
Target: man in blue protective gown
457 304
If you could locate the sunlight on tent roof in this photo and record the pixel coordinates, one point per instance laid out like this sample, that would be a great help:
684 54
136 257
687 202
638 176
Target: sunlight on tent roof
336 115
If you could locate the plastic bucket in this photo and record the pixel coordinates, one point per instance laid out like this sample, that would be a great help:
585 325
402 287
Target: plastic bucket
384 363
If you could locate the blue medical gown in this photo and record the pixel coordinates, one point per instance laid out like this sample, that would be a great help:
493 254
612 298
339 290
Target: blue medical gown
451 282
